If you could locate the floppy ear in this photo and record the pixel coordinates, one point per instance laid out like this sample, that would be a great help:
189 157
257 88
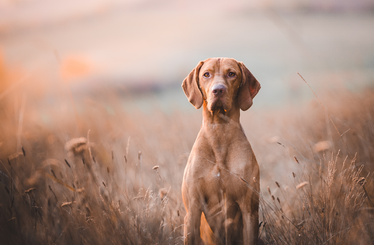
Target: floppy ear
191 87
248 88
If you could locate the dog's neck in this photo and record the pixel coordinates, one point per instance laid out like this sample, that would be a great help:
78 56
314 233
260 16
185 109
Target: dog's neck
219 129
227 121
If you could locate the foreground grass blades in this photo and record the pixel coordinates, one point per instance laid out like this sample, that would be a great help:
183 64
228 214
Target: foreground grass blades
94 172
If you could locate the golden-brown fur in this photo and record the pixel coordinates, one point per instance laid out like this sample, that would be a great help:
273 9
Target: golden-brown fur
221 179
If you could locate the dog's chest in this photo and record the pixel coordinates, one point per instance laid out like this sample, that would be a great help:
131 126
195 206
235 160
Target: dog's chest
216 191
214 168
216 179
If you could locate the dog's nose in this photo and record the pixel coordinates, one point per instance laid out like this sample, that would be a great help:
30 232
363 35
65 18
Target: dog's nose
218 89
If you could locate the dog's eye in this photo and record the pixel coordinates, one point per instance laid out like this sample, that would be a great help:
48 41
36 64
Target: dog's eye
206 74
231 74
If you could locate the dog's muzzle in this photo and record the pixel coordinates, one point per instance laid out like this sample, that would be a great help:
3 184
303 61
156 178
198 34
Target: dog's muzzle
218 90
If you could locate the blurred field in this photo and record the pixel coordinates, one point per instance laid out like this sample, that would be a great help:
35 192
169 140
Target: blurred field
94 169
95 130
144 42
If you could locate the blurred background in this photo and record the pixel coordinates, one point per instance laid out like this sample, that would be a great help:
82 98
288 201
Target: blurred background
150 46
95 130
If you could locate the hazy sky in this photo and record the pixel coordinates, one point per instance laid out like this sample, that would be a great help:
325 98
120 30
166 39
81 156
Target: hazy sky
161 41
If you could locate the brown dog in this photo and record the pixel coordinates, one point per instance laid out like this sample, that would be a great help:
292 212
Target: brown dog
221 180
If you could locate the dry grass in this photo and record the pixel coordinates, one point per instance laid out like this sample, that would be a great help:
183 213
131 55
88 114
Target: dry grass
90 170
331 207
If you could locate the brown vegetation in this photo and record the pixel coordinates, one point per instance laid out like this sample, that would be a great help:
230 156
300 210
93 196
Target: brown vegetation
97 171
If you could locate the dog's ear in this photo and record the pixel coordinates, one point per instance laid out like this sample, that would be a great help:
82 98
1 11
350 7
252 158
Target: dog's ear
249 87
191 87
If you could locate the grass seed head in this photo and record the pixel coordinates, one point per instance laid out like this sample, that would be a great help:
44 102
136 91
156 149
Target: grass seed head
23 151
162 193
296 160
277 184
301 185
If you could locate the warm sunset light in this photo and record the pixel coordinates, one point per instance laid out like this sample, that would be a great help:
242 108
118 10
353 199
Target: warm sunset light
96 131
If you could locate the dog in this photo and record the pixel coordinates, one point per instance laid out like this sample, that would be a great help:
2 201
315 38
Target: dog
221 181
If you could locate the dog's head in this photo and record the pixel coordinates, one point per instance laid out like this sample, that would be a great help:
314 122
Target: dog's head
223 83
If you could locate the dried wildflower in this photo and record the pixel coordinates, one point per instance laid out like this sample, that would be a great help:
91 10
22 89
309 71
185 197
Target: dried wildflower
162 193
76 145
301 185
66 204
14 156
361 181
322 146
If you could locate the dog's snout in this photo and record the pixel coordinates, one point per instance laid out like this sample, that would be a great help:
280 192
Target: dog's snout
218 89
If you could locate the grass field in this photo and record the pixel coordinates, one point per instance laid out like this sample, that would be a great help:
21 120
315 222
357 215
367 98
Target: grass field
96 170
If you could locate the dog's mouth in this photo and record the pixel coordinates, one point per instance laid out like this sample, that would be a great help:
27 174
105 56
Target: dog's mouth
218 106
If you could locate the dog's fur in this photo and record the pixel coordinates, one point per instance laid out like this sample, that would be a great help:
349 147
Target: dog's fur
221 180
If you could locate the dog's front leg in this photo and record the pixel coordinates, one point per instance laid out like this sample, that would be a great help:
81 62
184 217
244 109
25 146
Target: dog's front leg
192 226
250 226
